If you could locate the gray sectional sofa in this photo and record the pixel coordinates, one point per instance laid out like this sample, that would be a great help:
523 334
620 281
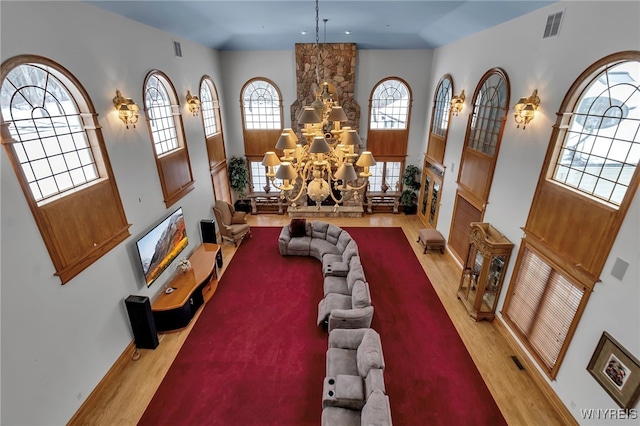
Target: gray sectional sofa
354 391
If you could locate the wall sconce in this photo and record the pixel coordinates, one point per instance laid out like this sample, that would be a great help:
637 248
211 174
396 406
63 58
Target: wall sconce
193 103
457 103
526 109
127 109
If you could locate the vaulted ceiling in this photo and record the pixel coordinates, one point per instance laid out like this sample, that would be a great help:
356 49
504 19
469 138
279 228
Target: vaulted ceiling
278 25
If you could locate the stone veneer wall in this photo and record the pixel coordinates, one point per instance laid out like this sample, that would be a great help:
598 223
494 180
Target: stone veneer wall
337 67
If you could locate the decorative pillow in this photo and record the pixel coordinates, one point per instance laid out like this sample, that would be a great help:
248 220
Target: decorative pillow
297 227
360 297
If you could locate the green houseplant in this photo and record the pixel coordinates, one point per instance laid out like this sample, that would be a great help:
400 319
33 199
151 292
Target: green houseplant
239 181
411 184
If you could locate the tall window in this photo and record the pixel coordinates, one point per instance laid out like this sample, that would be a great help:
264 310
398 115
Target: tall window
261 106
209 107
390 105
55 144
262 117
214 139
167 135
601 135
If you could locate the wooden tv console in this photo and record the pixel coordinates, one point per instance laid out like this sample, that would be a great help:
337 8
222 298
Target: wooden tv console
191 290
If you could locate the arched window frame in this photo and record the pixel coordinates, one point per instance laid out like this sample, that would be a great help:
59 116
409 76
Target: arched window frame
164 122
214 138
99 222
391 97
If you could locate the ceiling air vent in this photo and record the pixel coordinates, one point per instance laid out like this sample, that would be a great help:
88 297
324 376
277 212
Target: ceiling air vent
553 25
177 48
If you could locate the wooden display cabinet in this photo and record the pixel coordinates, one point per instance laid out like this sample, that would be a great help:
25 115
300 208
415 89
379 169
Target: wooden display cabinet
484 270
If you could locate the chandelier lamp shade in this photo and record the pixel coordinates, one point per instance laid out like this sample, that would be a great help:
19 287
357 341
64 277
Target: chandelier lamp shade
326 159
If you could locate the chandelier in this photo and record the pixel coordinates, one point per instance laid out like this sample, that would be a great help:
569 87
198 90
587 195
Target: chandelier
325 157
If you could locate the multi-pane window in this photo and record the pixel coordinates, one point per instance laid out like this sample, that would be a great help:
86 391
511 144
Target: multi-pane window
261 106
208 108
259 179
160 113
52 145
488 115
600 136
541 306
384 173
442 107
390 105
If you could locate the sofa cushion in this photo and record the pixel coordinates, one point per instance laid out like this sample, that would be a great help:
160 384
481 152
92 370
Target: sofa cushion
336 285
319 229
319 247
299 246
343 240
333 234
376 410
360 296
332 416
355 273
349 251
297 227
341 361
369 353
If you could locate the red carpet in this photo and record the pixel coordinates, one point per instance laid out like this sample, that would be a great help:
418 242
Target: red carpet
256 357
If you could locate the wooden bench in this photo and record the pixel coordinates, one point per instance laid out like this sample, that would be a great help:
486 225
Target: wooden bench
431 238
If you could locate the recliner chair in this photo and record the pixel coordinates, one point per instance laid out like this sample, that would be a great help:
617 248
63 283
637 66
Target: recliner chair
233 225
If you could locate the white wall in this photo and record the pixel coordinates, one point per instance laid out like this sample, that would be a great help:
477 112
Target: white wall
59 341
590 30
372 66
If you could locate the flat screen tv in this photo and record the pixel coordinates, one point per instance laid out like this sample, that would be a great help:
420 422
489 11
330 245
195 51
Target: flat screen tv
161 245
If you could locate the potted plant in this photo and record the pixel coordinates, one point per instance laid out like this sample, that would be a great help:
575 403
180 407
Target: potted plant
411 184
239 180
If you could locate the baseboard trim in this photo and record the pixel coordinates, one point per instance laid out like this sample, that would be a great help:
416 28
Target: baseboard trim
89 404
535 374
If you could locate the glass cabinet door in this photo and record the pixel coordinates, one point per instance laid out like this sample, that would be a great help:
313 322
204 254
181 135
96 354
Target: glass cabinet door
494 280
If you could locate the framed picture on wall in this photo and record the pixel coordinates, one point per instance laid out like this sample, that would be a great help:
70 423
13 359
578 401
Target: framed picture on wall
617 371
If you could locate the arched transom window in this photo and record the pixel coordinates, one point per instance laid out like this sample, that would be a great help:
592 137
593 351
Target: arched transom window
488 114
600 135
261 106
53 149
159 111
209 107
390 105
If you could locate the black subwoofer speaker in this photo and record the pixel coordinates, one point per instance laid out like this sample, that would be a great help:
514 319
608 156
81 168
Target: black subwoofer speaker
142 322
208 229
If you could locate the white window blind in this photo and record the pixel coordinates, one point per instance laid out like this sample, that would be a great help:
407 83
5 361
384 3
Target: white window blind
542 306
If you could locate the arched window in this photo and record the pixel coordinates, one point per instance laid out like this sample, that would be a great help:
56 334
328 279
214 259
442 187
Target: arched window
54 141
433 168
485 126
214 138
209 107
390 105
388 133
588 180
599 145
261 106
262 118
167 136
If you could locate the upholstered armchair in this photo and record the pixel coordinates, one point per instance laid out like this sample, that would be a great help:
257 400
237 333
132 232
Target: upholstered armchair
233 225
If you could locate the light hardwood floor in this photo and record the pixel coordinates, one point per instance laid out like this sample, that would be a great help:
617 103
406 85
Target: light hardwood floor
122 397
